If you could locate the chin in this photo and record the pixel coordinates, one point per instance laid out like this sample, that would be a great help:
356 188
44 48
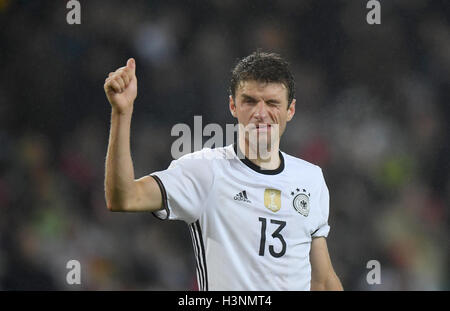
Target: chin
263 147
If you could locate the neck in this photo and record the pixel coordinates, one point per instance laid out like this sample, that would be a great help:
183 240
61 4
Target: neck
268 161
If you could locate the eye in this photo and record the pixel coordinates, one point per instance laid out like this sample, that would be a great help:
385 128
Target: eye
249 101
273 103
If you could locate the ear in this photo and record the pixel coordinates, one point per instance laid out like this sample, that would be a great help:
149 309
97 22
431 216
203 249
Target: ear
232 106
291 110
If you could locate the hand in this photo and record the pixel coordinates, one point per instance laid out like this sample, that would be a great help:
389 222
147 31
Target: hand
121 87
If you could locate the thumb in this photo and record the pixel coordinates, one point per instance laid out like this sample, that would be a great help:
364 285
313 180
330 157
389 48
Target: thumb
131 63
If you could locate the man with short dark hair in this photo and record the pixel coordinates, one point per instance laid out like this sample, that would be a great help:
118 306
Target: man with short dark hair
258 217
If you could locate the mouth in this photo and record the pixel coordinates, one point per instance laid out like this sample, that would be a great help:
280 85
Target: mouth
263 127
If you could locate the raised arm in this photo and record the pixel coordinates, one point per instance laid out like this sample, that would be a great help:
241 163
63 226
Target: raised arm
323 276
122 191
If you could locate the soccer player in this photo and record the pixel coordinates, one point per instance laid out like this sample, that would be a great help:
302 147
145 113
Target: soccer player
258 216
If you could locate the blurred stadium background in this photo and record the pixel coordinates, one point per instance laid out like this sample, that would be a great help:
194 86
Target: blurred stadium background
373 111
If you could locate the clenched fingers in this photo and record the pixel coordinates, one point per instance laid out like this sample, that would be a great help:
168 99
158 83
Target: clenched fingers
119 80
113 85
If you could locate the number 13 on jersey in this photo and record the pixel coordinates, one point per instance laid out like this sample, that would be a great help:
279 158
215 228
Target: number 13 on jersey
275 235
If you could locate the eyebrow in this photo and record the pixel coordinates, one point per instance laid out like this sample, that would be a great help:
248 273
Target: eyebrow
245 96
248 97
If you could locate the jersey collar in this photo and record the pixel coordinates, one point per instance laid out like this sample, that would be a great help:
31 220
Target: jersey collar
257 168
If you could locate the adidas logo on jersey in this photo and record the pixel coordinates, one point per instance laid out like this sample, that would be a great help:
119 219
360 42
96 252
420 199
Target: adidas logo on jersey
242 196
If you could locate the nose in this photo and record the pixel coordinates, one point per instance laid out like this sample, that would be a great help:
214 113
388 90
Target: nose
261 110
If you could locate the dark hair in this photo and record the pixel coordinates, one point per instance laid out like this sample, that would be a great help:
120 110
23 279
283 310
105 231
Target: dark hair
263 67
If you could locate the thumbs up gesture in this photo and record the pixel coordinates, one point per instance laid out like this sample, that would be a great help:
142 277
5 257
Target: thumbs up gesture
121 87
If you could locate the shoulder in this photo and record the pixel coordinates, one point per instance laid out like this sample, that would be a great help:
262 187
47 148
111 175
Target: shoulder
297 165
205 158
220 153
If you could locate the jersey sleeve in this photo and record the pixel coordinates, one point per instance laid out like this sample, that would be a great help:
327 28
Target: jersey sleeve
184 186
323 228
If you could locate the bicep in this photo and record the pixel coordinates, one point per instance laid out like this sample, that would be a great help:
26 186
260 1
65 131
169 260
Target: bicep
147 196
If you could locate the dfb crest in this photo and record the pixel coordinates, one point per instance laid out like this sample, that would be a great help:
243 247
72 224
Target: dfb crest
301 201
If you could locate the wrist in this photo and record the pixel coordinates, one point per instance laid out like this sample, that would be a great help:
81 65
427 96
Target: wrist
122 112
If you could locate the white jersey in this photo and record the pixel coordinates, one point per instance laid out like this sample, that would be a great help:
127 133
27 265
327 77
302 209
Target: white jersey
251 228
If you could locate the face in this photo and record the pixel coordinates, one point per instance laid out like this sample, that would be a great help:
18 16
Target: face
262 108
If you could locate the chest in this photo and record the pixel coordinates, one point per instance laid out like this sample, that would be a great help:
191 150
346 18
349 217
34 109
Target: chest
257 211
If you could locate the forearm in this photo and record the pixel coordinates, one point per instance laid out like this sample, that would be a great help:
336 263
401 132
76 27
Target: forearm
119 171
331 283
